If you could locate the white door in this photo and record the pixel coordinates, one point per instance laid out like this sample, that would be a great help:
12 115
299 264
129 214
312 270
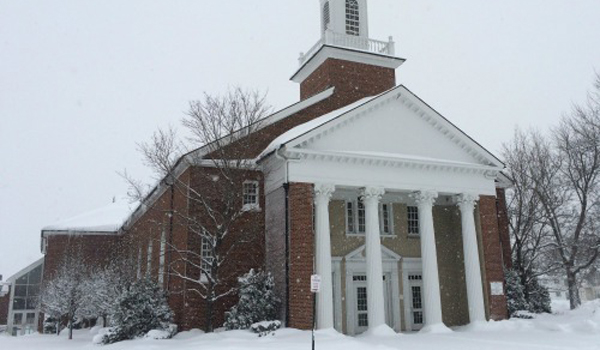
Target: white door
415 302
361 321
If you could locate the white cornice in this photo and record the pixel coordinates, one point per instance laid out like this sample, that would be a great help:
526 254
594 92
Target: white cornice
398 161
346 54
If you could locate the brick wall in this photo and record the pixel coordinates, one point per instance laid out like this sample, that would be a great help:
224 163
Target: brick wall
352 80
4 300
93 250
300 202
492 252
503 227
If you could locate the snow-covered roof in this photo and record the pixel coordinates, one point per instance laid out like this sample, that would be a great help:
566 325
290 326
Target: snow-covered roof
310 125
107 219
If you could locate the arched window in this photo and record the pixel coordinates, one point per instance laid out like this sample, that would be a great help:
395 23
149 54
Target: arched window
326 16
352 18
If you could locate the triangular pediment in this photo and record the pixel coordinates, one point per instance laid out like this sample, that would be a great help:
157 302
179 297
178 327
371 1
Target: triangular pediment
359 254
396 124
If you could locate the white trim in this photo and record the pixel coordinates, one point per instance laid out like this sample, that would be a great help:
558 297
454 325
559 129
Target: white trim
12 281
356 265
410 266
346 54
251 206
337 293
355 211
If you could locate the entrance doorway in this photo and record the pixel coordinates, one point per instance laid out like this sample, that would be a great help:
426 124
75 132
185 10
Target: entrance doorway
361 319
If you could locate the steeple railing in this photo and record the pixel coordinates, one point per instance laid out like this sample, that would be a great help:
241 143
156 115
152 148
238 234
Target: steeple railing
350 41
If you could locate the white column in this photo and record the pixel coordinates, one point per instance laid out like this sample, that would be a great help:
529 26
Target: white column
432 303
375 299
466 203
323 193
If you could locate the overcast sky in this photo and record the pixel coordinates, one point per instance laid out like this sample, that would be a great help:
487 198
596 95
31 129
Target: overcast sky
82 81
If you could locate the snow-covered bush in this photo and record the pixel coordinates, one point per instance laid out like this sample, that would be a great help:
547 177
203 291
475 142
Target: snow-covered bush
539 298
257 302
265 327
515 296
141 308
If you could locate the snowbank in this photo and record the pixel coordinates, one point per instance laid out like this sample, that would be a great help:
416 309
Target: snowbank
568 330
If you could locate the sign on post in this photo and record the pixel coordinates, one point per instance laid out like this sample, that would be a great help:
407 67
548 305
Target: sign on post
315 283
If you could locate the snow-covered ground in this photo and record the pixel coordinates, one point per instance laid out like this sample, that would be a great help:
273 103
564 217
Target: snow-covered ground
579 329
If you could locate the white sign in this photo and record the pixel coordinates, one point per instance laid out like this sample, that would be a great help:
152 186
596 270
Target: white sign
497 288
315 283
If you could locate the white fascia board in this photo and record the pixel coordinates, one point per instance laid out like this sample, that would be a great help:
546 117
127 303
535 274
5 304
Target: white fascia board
346 54
76 232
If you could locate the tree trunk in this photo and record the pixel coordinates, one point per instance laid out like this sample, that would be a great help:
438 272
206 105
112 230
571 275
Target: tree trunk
574 299
209 312
71 329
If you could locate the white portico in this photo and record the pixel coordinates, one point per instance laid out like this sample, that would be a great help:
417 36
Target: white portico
391 145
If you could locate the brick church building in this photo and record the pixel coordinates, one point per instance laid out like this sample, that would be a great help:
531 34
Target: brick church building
362 182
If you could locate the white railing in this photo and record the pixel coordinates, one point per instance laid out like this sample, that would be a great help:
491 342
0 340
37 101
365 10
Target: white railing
350 41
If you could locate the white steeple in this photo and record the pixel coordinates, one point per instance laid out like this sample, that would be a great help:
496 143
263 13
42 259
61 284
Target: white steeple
345 17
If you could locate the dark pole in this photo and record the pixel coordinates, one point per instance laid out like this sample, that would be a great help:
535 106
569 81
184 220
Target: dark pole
313 320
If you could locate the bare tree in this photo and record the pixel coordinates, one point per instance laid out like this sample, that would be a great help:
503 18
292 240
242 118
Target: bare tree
562 172
530 234
221 190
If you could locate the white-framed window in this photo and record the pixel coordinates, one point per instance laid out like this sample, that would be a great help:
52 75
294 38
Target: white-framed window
161 258
386 219
206 254
352 18
413 220
139 263
149 258
251 195
356 222
326 16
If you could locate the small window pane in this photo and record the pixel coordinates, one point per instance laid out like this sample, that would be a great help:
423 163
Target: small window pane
22 279
350 217
361 298
413 220
33 290
20 291
207 256
19 304
17 319
32 303
35 276
352 18
361 217
386 219
251 193
363 320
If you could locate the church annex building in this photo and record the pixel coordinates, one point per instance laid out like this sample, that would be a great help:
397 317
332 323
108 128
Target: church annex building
362 182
